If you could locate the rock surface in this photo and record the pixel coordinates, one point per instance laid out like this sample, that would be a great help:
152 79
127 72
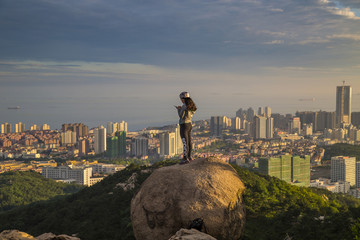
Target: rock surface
17 235
174 196
191 234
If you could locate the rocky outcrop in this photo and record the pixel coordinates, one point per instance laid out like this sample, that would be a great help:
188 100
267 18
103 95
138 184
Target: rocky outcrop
174 196
191 234
17 235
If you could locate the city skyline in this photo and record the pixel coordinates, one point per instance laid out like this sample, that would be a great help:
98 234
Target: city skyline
97 61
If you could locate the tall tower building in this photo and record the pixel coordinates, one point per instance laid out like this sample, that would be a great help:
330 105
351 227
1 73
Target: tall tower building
295 125
100 140
216 125
263 127
343 168
45 127
260 111
68 138
178 141
121 143
80 129
123 126
141 146
236 123
167 144
250 114
259 127
6 128
292 169
19 127
84 147
343 105
269 127
112 147
267 112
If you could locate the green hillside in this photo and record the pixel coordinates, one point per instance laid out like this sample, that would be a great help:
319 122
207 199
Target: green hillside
342 149
274 209
21 188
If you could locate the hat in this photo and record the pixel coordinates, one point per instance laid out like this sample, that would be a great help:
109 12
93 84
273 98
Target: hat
184 95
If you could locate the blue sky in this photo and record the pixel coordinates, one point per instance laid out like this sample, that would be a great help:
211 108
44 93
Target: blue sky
96 61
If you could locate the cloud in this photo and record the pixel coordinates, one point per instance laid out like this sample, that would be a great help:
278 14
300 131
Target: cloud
276 10
337 8
354 37
273 42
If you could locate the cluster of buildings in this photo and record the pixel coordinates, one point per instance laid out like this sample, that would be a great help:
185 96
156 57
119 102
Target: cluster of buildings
83 173
291 169
345 177
259 126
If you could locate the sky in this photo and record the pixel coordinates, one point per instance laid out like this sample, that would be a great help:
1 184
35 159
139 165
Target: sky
95 61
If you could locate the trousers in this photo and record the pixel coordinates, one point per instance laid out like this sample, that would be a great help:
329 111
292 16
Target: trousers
185 134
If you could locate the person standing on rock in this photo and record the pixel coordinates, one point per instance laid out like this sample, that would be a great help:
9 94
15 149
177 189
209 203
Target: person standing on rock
186 112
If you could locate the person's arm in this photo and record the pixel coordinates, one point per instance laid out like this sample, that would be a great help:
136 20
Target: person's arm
182 111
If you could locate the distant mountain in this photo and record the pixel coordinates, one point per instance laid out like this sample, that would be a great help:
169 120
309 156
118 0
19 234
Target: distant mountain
21 188
274 208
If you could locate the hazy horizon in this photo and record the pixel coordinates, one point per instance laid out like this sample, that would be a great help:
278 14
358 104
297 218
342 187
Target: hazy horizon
98 61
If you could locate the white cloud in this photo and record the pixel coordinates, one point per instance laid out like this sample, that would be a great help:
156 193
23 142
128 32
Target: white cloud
345 12
355 37
338 9
276 10
273 42
312 41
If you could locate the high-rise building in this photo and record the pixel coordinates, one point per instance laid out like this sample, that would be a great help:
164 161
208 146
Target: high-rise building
167 144
260 111
116 145
259 127
121 143
19 127
100 140
343 168
45 127
112 147
343 105
292 169
236 123
300 170
141 146
123 126
269 127
68 138
267 112
240 113
34 127
216 125
113 127
295 125
6 128
250 113
357 175
308 129
110 128
178 141
80 129
263 127
324 120
84 147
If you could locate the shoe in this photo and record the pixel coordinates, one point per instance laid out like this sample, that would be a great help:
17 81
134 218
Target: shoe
184 161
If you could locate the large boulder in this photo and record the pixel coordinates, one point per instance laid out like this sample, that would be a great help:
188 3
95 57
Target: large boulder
191 234
174 196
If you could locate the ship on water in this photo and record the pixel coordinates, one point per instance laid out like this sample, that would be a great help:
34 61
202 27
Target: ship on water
17 107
